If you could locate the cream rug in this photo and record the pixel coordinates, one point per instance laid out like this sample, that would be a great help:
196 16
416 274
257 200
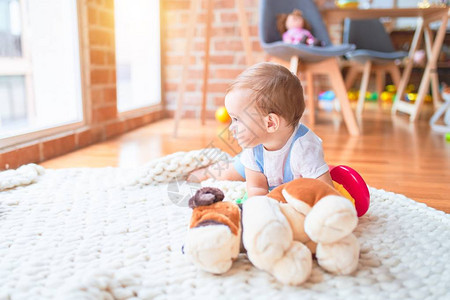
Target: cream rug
106 234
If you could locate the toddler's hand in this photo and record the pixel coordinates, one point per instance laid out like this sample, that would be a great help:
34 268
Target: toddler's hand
198 175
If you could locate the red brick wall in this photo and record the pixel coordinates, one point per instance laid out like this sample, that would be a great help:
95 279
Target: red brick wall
103 121
227 56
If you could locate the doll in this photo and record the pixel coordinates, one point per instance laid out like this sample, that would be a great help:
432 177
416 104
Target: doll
294 29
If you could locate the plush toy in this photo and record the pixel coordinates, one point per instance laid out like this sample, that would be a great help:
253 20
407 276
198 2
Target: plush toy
280 231
295 29
214 238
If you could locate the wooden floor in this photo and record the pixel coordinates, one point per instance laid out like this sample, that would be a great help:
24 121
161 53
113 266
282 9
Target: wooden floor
392 154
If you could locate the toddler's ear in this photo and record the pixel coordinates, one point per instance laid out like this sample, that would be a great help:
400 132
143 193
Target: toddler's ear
272 122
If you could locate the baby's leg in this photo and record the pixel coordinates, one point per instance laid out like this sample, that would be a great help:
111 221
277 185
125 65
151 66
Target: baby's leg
222 170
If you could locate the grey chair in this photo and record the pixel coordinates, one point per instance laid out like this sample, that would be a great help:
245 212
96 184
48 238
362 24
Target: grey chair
312 59
374 52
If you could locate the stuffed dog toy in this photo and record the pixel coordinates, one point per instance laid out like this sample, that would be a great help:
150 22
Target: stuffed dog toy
280 231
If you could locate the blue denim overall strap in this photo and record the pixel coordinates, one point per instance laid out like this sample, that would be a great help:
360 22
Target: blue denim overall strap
258 153
287 174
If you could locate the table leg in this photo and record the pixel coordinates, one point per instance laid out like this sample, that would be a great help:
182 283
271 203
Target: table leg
399 104
434 76
431 66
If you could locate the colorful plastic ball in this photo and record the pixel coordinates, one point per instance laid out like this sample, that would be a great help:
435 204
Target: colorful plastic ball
328 95
391 88
352 96
222 115
411 97
447 136
428 98
386 96
371 96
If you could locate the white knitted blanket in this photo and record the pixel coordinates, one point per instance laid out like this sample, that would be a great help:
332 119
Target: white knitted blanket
109 234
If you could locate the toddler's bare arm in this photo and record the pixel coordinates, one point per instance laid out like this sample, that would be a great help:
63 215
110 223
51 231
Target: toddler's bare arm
326 177
218 171
256 183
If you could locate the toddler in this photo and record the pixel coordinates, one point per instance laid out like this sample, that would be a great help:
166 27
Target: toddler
265 104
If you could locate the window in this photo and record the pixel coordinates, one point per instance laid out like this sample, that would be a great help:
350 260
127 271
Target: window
137 54
40 81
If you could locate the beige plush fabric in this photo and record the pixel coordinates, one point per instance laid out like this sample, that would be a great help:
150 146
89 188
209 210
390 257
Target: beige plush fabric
306 190
224 213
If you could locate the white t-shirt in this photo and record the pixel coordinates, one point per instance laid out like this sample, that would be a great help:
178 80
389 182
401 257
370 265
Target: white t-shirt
306 159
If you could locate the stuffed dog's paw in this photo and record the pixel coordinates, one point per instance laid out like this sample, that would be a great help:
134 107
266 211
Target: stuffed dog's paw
295 266
212 248
331 219
340 257
267 234
268 238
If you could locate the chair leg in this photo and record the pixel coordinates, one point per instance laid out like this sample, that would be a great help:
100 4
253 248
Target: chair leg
394 70
395 74
380 81
351 77
341 92
310 96
294 65
363 88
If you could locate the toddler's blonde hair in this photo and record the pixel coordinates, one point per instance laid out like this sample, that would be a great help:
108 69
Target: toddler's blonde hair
275 90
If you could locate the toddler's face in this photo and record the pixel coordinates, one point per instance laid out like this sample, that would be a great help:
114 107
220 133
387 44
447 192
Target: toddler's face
247 126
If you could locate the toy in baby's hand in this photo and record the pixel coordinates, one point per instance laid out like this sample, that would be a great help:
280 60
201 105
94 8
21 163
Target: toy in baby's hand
281 231
294 29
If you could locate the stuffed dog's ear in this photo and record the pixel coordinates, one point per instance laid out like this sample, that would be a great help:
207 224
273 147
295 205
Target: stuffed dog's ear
206 196
277 193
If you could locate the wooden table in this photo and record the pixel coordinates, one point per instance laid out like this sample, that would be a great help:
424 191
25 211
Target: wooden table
425 16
